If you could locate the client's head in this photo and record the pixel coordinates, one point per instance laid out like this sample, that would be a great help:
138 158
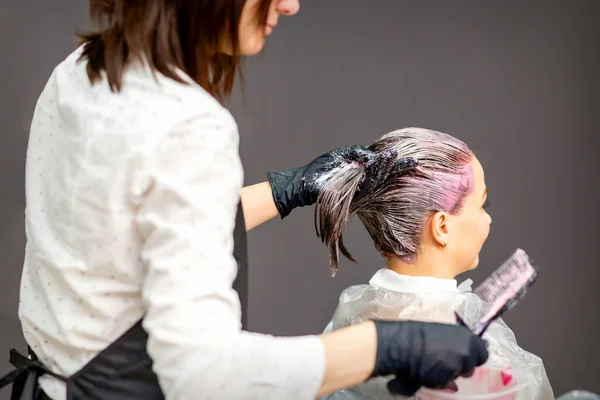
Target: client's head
422 200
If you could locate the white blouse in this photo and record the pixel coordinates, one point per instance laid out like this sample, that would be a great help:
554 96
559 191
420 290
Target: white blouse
131 203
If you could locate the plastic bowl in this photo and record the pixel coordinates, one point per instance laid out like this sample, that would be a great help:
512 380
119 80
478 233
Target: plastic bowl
485 384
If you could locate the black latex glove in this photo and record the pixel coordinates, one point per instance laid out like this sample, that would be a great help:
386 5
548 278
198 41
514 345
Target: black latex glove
426 354
298 187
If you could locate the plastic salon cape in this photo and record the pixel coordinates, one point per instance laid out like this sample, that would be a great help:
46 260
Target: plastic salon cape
391 296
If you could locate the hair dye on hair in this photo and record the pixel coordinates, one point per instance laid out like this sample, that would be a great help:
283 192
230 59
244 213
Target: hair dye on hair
395 206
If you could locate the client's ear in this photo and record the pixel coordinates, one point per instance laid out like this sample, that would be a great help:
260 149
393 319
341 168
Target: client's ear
439 226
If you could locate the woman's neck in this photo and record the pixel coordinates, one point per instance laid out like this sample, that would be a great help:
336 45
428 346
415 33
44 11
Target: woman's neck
421 268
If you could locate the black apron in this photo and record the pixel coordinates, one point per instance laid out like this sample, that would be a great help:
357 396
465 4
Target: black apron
123 371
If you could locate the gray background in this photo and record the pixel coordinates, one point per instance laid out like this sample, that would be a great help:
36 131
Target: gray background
517 80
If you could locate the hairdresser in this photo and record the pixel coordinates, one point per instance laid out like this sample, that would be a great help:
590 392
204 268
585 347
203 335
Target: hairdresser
135 228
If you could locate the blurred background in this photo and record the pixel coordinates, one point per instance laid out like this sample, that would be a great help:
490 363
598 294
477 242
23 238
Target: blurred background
517 80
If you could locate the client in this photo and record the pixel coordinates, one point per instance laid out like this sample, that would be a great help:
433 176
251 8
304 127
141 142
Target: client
423 200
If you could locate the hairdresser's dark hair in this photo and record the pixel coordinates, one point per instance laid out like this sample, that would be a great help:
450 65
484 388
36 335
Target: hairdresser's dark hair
394 207
168 35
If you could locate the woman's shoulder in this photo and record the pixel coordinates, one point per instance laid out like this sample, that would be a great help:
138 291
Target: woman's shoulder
185 98
144 90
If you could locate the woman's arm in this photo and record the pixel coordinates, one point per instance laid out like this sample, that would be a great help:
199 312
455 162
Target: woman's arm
349 357
258 204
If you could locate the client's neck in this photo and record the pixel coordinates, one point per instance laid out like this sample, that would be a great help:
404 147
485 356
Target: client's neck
420 268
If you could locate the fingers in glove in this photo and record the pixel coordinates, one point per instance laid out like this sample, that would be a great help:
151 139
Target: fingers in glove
358 153
400 387
451 386
479 351
468 374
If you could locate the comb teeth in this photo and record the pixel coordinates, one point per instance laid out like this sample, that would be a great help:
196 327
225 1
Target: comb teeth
500 292
514 272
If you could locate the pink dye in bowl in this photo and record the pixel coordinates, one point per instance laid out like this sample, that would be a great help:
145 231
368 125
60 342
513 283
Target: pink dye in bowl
485 384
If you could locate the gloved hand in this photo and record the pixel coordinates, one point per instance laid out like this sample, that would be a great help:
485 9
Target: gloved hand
298 187
426 354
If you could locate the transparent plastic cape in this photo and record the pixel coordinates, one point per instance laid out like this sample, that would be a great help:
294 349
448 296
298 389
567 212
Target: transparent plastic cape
364 302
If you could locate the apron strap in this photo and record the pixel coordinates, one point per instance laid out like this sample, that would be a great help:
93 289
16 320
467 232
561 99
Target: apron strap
10 377
23 365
